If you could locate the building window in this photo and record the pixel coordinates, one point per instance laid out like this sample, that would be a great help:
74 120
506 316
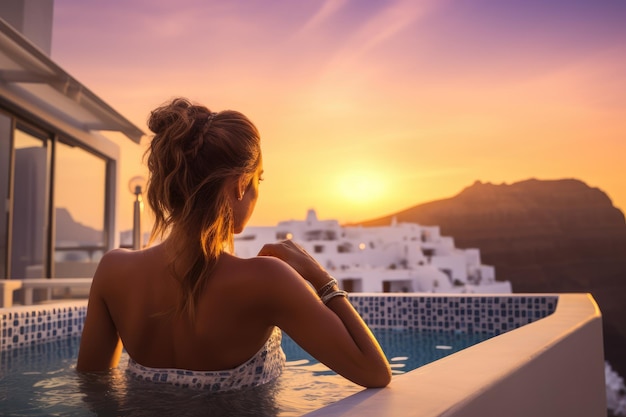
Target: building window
281 235
5 159
345 247
318 249
29 209
44 179
79 204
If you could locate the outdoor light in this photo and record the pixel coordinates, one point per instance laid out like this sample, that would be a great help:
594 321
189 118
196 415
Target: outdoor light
136 186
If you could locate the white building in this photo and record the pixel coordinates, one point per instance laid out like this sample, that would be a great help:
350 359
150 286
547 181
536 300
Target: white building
401 257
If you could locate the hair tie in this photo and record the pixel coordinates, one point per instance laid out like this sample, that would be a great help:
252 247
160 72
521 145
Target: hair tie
199 141
209 120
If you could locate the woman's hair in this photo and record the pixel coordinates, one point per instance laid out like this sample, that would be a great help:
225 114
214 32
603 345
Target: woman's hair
194 153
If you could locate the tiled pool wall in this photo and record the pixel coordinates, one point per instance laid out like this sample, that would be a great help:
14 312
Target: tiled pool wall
29 325
463 313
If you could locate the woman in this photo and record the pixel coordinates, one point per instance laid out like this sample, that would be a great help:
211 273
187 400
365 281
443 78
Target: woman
189 312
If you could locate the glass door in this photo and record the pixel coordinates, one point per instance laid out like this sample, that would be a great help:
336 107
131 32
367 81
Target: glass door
80 214
5 159
29 206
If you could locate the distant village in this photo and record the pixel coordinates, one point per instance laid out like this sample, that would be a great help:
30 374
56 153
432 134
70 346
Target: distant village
401 257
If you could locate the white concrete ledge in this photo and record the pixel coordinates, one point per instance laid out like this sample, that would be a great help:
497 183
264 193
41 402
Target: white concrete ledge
27 286
551 367
7 288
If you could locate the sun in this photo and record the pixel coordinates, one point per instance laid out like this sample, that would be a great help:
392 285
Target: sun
360 187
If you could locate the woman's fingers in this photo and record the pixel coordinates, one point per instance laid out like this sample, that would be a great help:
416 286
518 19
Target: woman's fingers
284 249
299 259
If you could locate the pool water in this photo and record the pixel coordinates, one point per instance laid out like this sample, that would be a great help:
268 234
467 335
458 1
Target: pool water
406 349
40 380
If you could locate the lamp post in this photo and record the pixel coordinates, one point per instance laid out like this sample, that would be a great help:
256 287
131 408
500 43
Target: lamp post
136 186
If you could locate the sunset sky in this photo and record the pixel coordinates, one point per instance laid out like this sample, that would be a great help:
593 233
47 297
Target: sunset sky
369 107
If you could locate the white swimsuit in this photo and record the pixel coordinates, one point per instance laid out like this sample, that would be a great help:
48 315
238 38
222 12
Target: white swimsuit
266 365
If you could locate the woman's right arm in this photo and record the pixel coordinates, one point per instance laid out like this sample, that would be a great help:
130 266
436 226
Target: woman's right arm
100 344
333 333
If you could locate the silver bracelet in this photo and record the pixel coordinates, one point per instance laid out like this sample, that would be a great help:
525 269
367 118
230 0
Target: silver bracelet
326 287
338 293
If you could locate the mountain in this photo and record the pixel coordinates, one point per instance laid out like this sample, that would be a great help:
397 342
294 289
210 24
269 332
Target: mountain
543 236
69 230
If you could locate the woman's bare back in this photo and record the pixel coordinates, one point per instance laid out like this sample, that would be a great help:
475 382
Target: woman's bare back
141 295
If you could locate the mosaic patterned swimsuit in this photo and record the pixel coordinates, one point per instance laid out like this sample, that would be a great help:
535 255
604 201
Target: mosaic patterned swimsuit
266 365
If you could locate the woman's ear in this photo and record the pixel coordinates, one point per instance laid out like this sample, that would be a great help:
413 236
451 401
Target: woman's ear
242 186
233 189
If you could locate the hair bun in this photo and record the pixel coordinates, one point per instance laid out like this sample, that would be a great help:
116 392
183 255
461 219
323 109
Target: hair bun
174 113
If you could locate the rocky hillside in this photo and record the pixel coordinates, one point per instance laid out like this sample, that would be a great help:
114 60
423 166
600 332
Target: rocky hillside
68 230
543 236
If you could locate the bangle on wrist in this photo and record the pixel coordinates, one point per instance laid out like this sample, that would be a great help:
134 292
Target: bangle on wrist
337 293
325 289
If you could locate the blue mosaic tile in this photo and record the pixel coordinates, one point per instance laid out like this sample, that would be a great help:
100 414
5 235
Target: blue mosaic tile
485 314
464 313
27 326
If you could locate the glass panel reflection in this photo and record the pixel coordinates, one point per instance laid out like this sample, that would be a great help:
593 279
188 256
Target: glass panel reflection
80 186
28 243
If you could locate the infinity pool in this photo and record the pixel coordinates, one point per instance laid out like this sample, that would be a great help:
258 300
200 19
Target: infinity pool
39 346
40 380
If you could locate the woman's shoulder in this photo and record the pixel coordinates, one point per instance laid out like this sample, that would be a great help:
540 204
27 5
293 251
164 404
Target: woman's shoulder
260 282
118 258
266 266
118 253
258 274
120 264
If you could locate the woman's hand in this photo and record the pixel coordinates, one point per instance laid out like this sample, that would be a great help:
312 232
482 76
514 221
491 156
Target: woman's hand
299 259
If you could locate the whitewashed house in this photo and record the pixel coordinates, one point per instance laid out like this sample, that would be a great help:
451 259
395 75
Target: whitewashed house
401 257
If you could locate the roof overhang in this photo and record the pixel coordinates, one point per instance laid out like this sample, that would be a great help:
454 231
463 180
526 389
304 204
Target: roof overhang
31 80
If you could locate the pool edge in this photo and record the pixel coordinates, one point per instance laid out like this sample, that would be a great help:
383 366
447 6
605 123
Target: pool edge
553 366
